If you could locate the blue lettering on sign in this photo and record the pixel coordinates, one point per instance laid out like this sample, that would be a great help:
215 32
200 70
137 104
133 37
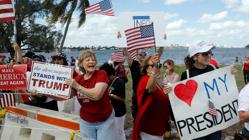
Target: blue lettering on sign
141 20
224 81
215 85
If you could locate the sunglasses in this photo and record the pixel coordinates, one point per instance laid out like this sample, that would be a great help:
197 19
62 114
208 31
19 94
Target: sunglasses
152 65
165 67
142 54
206 54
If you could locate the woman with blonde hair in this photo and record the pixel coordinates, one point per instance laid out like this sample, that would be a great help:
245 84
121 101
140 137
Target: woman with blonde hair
96 113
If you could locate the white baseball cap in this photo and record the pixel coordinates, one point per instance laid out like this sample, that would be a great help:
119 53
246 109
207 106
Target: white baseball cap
200 47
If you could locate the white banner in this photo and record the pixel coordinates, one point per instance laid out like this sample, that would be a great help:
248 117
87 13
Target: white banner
190 100
50 79
127 20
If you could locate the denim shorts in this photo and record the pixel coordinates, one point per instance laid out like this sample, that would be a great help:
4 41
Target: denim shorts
98 131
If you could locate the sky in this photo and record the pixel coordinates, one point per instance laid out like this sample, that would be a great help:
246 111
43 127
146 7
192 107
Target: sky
222 22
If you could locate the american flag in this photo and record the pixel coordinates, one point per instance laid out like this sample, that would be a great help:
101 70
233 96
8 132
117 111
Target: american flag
211 108
118 56
133 54
6 10
7 100
104 8
140 37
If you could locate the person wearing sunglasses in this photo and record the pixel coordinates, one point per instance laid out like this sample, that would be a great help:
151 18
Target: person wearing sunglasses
134 66
153 103
198 62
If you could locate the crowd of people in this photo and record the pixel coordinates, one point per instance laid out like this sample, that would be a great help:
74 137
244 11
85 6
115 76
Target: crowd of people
100 92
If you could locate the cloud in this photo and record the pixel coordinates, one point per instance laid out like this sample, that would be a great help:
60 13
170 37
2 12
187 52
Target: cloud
229 25
209 17
227 32
95 31
144 1
244 6
174 2
231 3
176 24
169 16
238 5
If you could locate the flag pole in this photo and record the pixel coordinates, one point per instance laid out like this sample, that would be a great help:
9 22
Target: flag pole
154 35
14 37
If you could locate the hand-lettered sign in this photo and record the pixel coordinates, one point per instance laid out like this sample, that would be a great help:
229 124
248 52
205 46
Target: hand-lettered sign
127 20
50 79
205 104
13 78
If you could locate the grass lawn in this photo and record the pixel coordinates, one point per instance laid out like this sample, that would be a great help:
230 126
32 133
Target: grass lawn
179 69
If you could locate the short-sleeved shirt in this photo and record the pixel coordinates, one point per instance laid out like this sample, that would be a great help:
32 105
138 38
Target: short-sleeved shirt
135 74
246 66
94 111
243 100
118 88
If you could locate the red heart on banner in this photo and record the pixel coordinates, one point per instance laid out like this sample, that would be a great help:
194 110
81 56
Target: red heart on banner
186 92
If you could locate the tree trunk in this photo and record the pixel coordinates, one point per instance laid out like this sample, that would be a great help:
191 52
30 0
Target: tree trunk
65 34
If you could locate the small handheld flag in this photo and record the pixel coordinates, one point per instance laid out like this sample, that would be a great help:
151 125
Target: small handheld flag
211 108
104 8
140 37
118 56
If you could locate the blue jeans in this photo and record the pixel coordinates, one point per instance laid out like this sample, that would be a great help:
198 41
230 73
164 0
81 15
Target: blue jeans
245 132
213 136
99 131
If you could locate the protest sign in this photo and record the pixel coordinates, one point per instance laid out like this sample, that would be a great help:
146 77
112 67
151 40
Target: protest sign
13 78
50 79
127 20
205 104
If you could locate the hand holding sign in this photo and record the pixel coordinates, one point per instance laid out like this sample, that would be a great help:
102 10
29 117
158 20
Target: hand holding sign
233 69
190 101
72 83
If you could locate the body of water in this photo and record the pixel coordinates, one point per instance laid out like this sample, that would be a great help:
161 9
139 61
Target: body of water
222 55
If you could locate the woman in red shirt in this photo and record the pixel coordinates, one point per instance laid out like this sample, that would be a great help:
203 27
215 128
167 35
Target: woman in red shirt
246 69
153 103
97 116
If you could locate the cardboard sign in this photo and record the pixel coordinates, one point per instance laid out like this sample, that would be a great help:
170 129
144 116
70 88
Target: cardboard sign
50 79
127 20
205 104
13 78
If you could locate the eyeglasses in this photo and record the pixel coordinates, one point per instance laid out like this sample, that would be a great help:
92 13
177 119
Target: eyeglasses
206 54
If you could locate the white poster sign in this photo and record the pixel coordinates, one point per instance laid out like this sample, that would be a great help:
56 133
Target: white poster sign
127 20
205 104
50 79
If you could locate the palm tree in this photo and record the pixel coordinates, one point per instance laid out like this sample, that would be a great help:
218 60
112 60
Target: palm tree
63 10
